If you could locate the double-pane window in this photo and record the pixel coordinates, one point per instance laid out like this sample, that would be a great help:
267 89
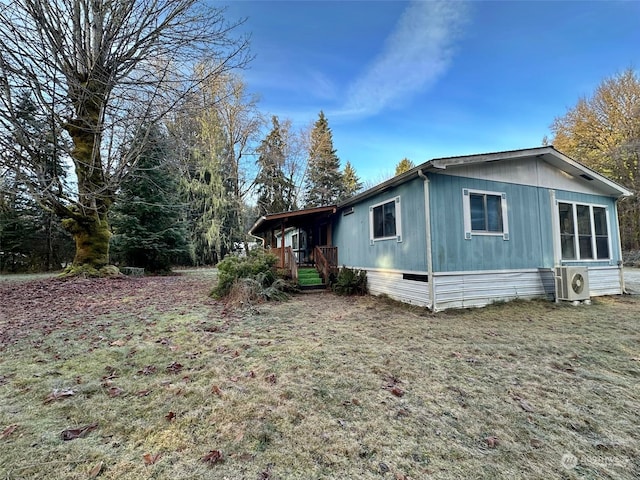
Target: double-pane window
486 212
384 220
584 234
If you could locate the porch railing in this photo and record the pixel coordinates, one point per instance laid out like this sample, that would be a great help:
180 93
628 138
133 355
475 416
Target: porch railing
290 265
326 259
277 253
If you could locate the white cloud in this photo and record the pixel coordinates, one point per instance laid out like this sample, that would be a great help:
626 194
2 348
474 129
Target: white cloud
415 55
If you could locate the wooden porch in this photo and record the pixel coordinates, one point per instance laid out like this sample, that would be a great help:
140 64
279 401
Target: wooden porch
302 241
324 259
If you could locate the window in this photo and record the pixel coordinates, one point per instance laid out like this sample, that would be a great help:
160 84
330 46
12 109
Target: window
294 241
384 221
584 234
485 213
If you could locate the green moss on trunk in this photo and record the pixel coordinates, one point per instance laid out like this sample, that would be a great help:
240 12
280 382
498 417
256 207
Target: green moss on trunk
92 244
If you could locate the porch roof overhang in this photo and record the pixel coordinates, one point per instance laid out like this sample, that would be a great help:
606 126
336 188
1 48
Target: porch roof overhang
296 219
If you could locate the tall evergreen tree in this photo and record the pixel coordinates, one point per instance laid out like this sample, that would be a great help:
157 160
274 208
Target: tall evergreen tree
324 183
30 238
148 231
275 191
352 183
404 165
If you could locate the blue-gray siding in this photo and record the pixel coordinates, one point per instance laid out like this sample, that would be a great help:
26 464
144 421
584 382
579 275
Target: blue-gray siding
530 239
476 271
531 229
351 233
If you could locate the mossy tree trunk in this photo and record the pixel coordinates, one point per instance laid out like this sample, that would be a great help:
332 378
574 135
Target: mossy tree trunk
100 70
88 222
91 235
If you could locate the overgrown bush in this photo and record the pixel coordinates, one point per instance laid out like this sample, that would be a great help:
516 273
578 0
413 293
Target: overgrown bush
350 282
257 267
246 291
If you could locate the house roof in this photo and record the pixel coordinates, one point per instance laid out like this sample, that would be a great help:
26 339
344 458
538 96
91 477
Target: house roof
296 218
548 153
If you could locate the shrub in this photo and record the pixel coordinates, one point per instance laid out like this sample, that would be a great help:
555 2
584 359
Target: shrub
246 291
350 282
257 265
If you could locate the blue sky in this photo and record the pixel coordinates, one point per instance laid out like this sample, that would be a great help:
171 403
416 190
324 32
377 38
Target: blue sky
430 79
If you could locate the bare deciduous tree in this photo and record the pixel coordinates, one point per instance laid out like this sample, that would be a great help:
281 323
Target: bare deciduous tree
99 69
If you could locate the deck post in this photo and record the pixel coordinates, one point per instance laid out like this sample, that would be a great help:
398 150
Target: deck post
282 246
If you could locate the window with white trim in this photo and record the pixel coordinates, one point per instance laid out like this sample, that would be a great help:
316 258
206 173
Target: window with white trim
485 213
584 232
385 221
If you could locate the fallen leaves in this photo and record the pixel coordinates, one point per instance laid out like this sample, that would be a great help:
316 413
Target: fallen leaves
95 471
150 459
8 431
115 392
492 441
526 406
171 416
58 394
215 389
265 474
213 457
392 385
174 367
73 433
271 378
536 443
402 476
148 370
397 391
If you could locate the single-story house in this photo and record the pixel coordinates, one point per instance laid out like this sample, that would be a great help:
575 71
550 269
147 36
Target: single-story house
467 231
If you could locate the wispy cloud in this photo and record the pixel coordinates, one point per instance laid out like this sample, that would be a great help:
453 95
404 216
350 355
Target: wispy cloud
415 55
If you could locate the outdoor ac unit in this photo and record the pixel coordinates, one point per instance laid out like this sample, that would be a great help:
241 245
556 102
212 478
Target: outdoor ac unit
572 283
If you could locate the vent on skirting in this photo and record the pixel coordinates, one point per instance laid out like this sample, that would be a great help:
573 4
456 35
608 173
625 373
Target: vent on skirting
415 277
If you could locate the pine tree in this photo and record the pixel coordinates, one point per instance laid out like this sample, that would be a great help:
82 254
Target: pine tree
147 216
30 238
275 191
404 165
352 183
324 183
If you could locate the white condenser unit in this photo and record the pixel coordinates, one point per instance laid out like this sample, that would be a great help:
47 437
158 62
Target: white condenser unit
572 283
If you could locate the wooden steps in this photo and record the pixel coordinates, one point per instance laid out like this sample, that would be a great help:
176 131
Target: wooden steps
309 279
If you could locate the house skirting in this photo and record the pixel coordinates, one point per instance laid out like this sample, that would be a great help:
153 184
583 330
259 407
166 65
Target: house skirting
480 288
394 284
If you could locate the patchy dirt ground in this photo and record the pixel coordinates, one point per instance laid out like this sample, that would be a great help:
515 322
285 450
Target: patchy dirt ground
36 308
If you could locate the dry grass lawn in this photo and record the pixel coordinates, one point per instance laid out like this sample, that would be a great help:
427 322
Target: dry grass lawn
159 381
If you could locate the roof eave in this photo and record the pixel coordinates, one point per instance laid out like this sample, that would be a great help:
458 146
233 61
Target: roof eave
447 162
616 187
